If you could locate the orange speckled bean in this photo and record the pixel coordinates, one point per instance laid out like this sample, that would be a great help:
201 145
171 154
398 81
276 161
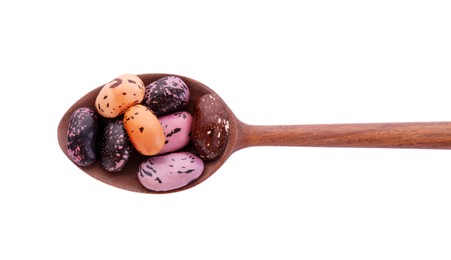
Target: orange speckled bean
119 94
144 129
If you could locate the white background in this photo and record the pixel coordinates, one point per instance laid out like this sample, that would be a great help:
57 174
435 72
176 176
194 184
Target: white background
278 62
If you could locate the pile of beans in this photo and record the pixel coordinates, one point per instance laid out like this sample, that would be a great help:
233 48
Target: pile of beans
151 120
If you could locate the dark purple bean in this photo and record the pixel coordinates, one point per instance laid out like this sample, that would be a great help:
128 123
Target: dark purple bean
166 95
82 137
115 146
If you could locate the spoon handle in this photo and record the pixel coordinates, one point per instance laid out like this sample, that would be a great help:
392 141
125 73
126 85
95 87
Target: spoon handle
425 135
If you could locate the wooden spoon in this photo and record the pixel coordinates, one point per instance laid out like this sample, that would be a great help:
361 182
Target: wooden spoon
427 135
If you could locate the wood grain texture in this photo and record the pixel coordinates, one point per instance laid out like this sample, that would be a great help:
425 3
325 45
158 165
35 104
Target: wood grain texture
424 135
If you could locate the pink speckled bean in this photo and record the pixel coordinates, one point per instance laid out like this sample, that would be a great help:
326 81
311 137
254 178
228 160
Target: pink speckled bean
177 128
170 171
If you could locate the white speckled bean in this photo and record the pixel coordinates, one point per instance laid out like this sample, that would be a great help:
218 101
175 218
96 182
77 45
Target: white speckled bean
177 128
170 171
210 129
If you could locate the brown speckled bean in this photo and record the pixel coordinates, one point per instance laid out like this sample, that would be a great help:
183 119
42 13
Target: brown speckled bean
210 127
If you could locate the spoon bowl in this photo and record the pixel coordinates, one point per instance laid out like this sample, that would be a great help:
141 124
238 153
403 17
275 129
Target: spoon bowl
422 135
127 178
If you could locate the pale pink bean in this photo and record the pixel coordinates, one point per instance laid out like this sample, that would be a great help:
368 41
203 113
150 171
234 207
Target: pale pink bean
170 171
177 128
